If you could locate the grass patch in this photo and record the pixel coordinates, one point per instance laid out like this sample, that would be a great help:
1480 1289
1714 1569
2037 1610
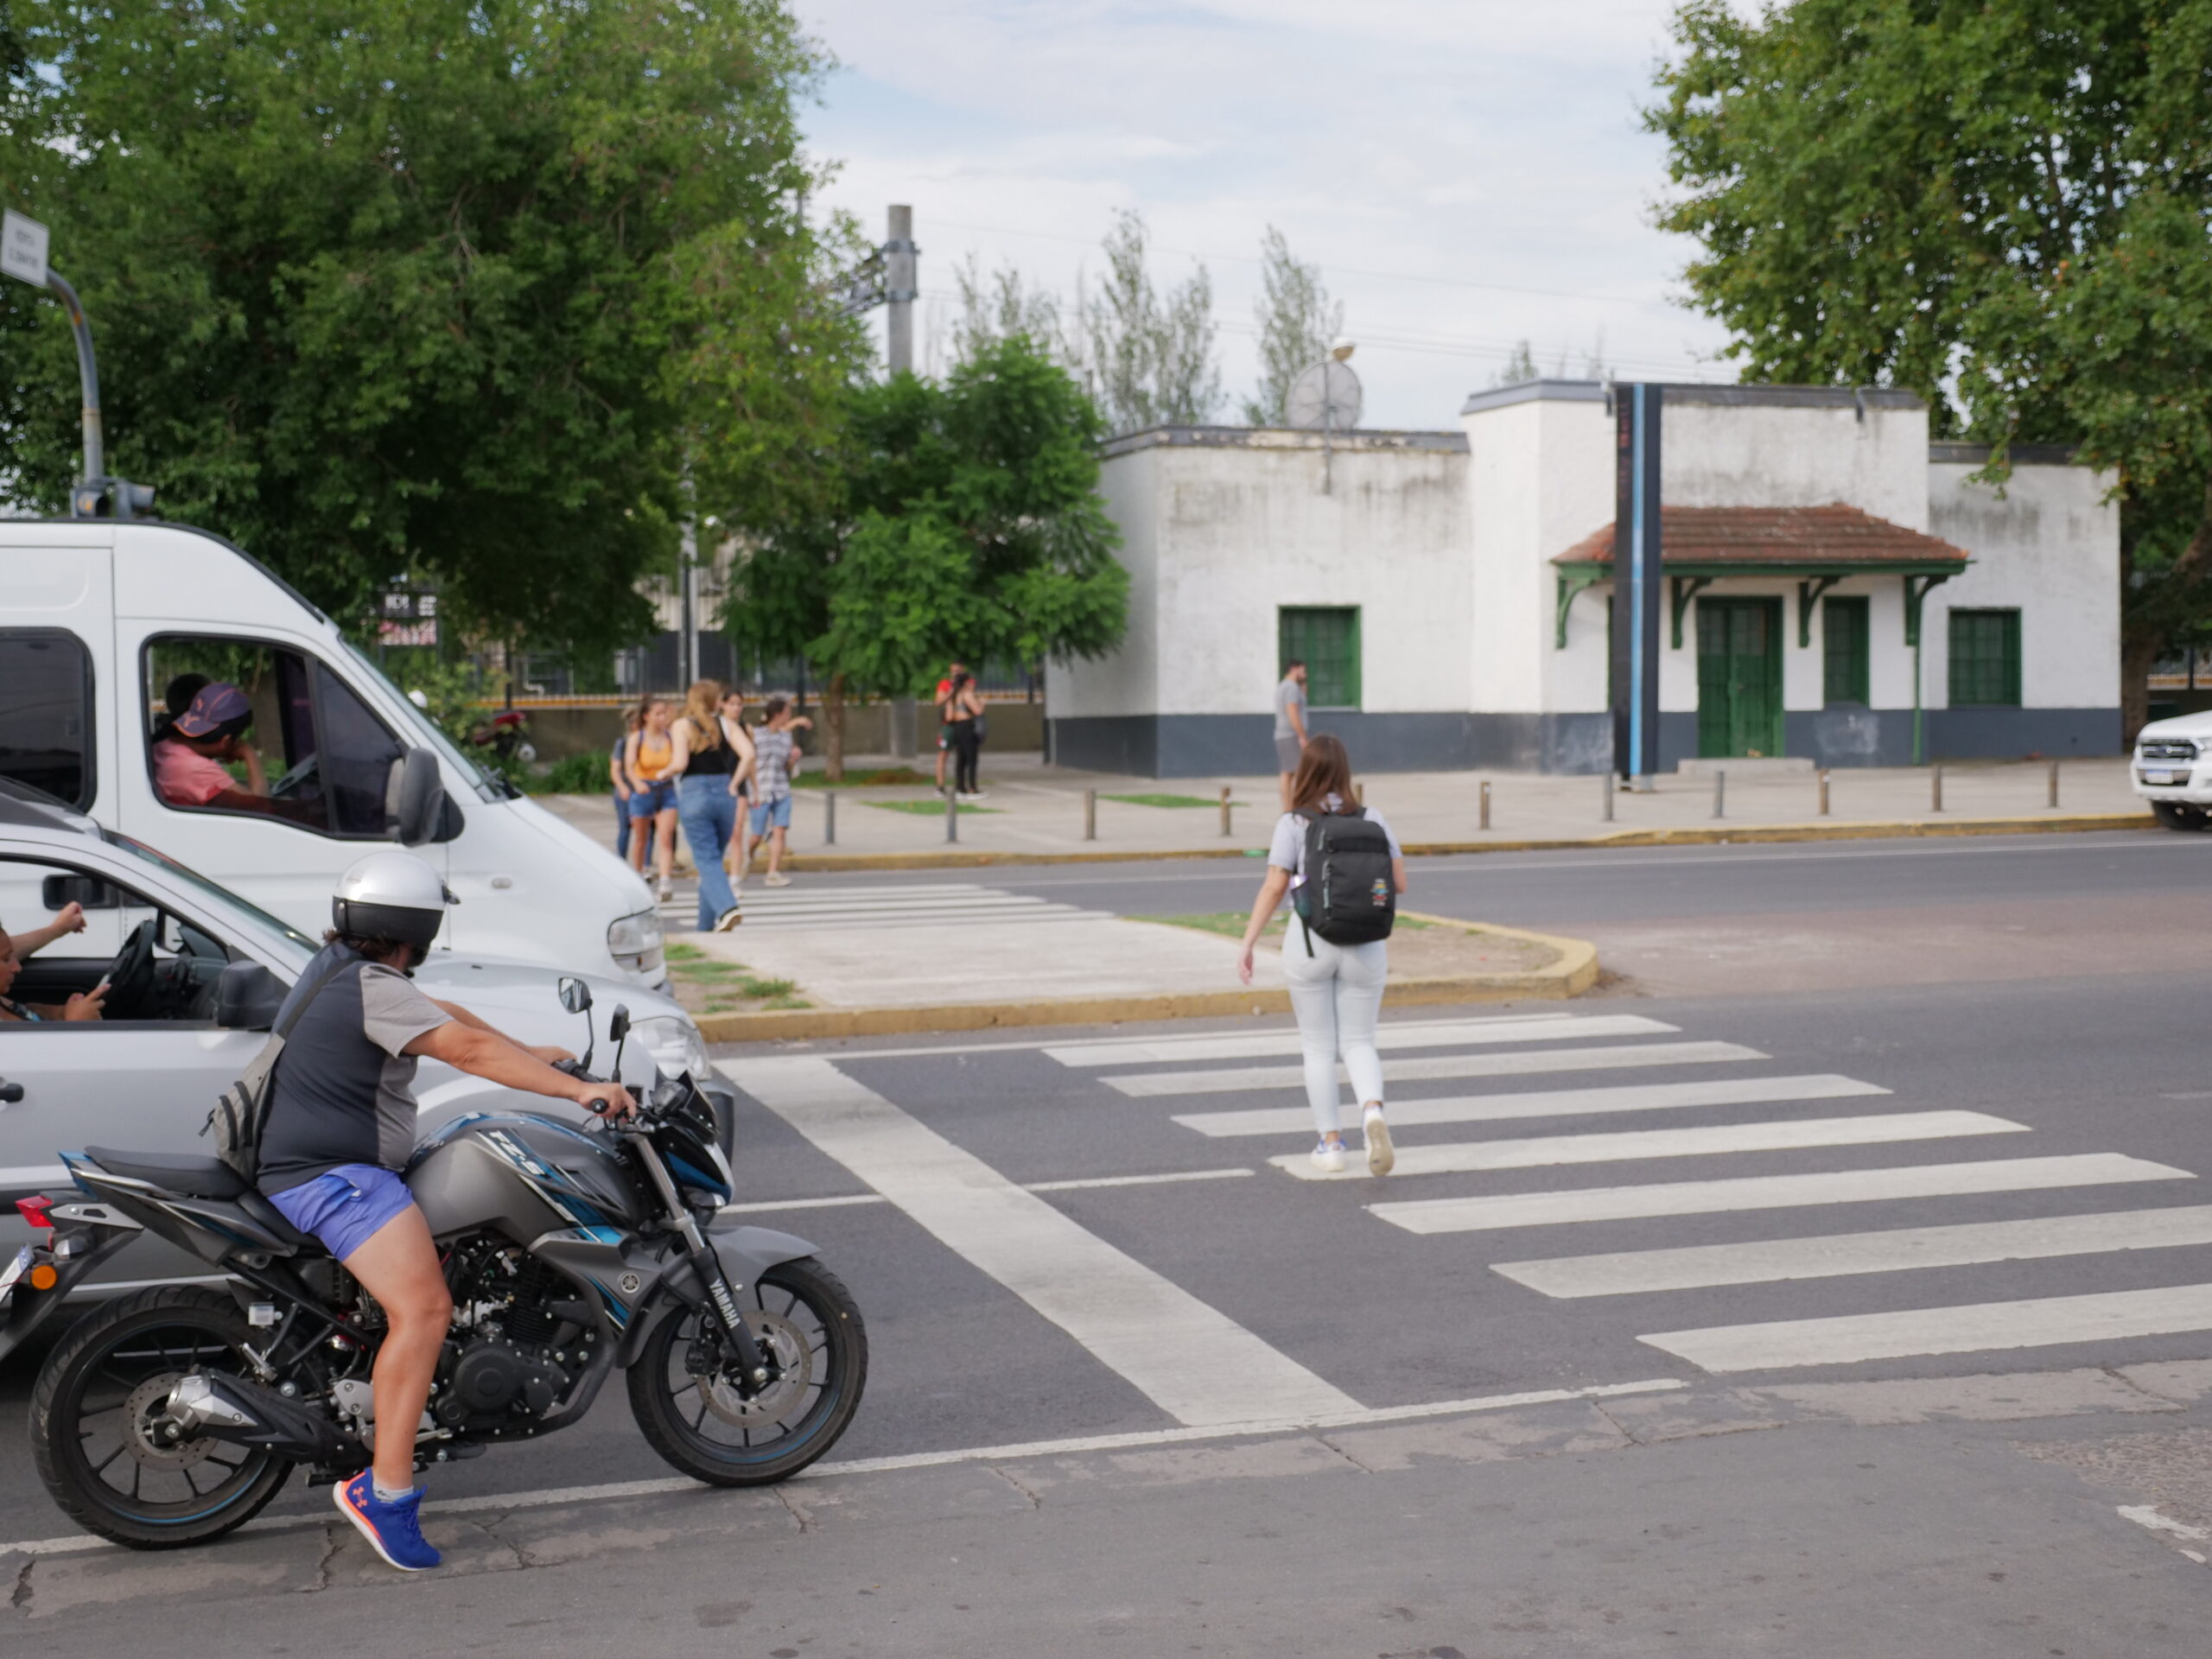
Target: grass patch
1228 924
927 809
707 984
1168 800
881 778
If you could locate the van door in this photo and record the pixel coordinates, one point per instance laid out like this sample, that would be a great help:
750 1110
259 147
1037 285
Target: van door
57 635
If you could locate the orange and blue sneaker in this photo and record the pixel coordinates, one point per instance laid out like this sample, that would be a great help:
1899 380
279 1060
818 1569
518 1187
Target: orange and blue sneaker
392 1527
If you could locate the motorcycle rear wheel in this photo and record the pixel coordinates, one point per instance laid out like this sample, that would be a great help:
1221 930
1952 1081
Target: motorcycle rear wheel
804 1313
97 1395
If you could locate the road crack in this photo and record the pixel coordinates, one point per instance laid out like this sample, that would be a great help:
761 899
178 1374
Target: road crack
1620 1428
330 1542
805 1522
1035 1502
1324 1440
20 1597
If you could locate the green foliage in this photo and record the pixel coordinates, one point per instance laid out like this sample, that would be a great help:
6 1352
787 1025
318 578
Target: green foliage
927 809
439 287
572 774
2002 206
1151 355
446 692
1297 321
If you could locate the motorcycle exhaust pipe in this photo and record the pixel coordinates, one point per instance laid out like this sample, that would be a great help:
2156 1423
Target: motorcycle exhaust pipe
221 1406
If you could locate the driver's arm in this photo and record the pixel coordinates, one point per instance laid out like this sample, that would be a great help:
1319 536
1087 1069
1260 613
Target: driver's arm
468 1044
455 1011
70 918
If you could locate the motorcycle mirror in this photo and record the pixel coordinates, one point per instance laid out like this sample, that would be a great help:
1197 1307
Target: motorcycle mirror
617 1025
575 995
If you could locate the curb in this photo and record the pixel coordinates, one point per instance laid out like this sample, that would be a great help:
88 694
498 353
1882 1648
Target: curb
1706 835
1575 972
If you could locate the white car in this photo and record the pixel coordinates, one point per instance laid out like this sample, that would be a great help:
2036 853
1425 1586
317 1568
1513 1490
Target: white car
2172 770
197 976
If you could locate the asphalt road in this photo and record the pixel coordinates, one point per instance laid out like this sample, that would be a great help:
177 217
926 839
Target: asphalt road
2000 1170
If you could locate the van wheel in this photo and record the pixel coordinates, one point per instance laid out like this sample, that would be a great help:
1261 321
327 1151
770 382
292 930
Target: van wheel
2179 815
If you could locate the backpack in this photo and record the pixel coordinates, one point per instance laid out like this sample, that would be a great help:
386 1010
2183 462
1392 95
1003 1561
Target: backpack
1349 896
241 1112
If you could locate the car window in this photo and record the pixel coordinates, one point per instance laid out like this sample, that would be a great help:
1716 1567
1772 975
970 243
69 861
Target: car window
34 892
46 702
238 911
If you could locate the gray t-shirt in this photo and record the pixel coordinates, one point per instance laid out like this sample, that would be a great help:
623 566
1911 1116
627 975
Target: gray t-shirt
1288 850
1287 693
344 1092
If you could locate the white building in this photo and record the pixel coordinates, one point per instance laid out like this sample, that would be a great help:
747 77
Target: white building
1450 591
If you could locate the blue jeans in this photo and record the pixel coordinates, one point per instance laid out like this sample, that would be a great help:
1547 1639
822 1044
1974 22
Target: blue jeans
621 829
708 812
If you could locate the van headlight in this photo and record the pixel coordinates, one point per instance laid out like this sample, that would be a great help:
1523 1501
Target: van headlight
675 1044
635 942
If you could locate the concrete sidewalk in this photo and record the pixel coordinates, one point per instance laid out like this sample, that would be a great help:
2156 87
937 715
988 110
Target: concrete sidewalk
1036 811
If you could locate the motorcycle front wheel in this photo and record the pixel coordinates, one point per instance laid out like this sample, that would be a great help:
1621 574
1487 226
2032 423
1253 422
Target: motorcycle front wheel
96 1417
803 1315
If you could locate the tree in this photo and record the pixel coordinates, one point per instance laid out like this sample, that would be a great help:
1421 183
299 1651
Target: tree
1519 366
995 307
1298 320
445 287
1151 359
965 521
2001 204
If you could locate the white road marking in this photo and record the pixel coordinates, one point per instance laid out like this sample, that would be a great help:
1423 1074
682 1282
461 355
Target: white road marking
1444 1065
1169 1178
611 1491
2108 1316
858 1049
1533 1028
1196 1364
1766 1261
1771 1193
1786 1135
767 1205
1550 1102
2145 1515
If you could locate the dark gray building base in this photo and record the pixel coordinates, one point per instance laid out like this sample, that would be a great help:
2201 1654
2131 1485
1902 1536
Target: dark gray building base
1210 746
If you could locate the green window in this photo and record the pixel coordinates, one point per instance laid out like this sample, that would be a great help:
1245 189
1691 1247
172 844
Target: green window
1326 639
1843 644
1986 658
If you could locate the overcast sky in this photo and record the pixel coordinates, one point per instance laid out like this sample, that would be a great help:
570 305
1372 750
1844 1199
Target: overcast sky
1465 172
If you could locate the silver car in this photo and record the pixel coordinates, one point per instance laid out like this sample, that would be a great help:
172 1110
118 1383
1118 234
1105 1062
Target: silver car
197 974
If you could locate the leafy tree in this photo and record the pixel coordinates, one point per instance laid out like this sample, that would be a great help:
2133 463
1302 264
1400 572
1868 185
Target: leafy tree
1152 357
2001 204
1298 320
461 287
1519 367
992 308
966 523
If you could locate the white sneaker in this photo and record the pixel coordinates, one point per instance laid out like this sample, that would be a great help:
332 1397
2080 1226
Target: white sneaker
777 879
1329 1158
728 919
666 893
1381 1157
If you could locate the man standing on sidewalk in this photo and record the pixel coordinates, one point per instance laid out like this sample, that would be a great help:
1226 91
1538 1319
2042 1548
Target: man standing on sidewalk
1290 725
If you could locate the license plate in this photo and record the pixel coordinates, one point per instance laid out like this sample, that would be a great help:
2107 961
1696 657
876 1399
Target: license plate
2160 777
15 1271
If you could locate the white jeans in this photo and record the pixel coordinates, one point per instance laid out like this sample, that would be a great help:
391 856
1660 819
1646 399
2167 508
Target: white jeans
1336 992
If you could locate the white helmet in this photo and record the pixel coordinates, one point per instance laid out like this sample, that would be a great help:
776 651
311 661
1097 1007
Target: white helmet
391 896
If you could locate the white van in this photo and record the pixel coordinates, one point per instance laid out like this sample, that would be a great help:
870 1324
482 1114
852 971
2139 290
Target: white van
99 620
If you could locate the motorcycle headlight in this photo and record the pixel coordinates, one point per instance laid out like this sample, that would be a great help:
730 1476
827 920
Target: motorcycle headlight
675 1044
635 942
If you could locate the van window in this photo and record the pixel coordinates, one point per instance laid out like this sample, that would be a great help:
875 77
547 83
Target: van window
46 704
277 734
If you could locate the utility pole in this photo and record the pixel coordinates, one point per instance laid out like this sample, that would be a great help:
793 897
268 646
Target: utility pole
687 646
901 289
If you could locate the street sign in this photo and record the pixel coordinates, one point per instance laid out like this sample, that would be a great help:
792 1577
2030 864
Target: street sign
23 248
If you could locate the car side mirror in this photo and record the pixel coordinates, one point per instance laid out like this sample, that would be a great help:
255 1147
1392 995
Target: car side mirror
415 797
58 891
247 996
575 996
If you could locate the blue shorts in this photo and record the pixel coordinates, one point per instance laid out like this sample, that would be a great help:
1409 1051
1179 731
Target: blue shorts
344 1207
658 795
777 813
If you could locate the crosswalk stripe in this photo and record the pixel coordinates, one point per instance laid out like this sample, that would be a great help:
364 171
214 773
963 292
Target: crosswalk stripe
1768 1260
1443 1065
1787 1136
964 919
1541 1028
1192 1361
1549 1103
1769 1192
809 904
2108 1316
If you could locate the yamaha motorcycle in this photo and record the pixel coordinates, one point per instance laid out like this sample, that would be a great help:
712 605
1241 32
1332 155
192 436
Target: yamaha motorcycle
173 1414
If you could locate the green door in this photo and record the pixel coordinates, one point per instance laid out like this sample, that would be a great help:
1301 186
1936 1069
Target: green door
1739 677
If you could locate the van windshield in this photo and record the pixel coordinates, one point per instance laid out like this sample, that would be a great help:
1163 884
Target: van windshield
490 786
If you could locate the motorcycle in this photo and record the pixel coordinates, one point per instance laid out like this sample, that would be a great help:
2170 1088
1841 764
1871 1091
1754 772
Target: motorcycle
173 1414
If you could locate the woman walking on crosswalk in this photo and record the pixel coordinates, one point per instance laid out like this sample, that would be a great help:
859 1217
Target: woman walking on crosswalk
1336 985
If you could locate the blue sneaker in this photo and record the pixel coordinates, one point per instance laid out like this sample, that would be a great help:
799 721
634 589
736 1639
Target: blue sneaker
394 1529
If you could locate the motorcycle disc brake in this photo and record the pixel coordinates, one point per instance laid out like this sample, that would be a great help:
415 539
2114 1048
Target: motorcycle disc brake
786 1344
145 1407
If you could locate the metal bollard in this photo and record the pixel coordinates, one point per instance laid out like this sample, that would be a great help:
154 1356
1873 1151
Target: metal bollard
1605 802
1720 794
952 816
1225 830
1090 815
1935 789
1824 792
1485 819
2053 785
828 817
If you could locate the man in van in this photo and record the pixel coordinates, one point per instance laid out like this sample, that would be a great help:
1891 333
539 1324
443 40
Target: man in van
188 759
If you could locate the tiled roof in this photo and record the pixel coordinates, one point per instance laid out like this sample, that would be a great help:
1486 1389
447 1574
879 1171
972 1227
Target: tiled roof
1826 536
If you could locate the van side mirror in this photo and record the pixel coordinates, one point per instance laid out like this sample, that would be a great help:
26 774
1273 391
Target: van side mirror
247 997
414 798
57 891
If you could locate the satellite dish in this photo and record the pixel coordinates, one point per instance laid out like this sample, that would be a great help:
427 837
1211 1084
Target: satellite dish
1325 398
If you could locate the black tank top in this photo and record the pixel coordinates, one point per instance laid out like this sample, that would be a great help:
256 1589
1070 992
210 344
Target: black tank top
717 762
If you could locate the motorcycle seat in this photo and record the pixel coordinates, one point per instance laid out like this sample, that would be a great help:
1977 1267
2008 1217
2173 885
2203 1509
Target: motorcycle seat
186 1177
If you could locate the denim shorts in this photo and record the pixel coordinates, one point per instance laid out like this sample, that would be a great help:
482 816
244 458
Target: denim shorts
776 812
659 796
344 1207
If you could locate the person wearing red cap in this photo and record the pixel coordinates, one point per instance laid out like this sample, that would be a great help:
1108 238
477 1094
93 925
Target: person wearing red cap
189 761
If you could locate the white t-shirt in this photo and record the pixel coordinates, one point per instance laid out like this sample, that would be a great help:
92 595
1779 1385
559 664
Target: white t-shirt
1288 850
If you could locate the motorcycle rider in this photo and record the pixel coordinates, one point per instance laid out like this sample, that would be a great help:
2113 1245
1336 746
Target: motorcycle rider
341 1126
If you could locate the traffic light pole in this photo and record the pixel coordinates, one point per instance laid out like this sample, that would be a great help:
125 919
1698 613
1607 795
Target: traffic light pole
85 498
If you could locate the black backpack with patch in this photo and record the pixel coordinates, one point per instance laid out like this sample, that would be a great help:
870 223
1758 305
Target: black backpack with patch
1349 896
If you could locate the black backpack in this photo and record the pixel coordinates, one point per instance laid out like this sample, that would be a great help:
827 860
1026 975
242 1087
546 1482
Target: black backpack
1349 896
